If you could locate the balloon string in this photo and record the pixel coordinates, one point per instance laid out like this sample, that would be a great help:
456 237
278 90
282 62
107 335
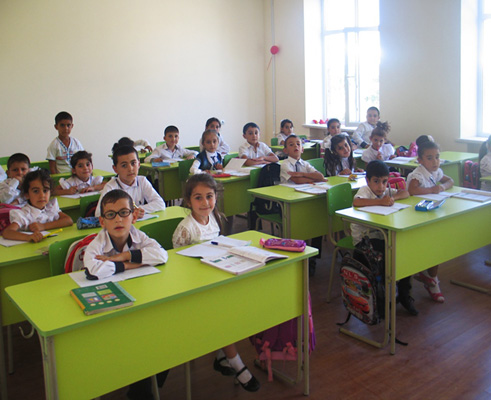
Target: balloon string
269 64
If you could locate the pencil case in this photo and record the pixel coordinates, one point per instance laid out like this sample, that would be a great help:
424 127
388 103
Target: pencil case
160 164
88 222
284 244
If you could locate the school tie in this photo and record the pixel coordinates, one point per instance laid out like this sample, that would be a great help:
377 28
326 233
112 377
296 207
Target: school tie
214 160
297 166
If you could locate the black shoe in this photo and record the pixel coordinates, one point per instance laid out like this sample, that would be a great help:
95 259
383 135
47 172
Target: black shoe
408 303
223 369
312 263
252 385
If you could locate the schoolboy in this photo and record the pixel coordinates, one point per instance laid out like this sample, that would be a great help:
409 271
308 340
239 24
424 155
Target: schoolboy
171 150
18 166
126 166
376 193
63 147
255 151
120 246
82 180
294 169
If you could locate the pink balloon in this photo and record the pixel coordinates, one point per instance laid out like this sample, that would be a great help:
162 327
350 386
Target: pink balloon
274 50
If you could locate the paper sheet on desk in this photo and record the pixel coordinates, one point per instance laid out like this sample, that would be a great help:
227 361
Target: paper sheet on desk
474 195
436 197
10 243
384 210
207 249
81 280
402 160
79 195
147 216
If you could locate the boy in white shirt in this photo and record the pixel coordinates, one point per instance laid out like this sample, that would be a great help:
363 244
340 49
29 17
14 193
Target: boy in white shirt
377 193
18 166
61 150
361 136
120 246
255 151
171 150
294 169
126 166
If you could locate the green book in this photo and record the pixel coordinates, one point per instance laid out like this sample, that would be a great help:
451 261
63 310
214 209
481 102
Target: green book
102 297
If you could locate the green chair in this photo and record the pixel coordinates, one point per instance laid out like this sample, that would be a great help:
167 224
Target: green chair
338 198
302 136
184 167
195 148
159 143
41 164
274 141
275 220
57 254
318 164
85 202
3 160
162 231
228 157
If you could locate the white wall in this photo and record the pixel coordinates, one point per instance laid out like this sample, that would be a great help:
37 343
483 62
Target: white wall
128 69
420 70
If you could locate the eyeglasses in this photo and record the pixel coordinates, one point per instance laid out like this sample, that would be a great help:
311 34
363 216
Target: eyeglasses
123 213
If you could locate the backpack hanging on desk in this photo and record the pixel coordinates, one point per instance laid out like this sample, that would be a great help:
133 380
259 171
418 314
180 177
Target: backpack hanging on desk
268 175
280 343
362 284
471 175
396 181
4 215
75 254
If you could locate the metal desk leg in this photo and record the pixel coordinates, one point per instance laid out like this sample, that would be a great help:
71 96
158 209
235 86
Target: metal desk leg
306 356
391 255
3 367
49 366
187 369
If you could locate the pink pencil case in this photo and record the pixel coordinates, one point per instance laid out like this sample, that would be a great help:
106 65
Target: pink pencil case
283 244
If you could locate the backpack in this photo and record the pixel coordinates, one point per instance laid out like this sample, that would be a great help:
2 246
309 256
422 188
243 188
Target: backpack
280 343
269 174
471 175
363 283
403 151
396 181
90 210
5 215
75 255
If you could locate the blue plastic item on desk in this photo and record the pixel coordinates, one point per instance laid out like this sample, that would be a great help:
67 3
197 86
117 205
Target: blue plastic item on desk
428 205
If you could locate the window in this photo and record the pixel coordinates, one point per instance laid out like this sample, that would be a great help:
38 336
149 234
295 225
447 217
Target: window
484 68
350 57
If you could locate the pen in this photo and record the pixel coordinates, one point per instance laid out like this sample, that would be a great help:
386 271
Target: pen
215 243
49 234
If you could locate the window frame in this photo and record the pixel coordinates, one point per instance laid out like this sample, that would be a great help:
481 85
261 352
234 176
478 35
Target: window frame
346 31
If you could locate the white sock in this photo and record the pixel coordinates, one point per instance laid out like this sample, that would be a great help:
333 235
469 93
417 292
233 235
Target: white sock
237 364
221 356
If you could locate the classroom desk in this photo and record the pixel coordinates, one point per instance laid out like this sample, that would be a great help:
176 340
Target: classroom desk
171 307
420 240
169 183
310 150
304 216
96 172
452 167
26 262
235 198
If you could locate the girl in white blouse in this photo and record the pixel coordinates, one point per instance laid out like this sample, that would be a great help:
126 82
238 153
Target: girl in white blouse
204 224
40 213
429 178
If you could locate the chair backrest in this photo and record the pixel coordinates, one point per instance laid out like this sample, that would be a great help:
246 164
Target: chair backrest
227 158
85 201
274 141
338 197
302 136
4 160
57 254
184 167
195 148
41 164
318 164
159 143
162 231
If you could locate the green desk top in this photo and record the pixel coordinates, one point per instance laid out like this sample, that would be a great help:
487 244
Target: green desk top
95 172
486 178
409 218
290 195
47 304
32 251
447 157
